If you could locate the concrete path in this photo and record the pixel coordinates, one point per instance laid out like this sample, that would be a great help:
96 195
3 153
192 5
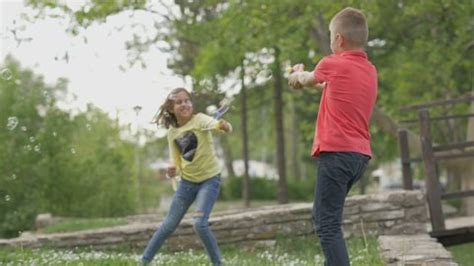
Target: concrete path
455 223
413 250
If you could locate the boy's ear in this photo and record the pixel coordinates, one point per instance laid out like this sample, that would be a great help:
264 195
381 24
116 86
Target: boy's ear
340 39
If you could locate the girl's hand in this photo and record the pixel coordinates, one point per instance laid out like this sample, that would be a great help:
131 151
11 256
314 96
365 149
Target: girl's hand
223 125
171 171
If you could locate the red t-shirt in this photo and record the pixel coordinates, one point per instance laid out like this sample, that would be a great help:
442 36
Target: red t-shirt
346 103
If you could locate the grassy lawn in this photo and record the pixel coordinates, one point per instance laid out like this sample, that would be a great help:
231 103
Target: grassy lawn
293 251
463 254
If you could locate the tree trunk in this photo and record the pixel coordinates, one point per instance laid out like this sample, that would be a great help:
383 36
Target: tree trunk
320 33
228 157
245 151
224 142
280 137
363 183
295 163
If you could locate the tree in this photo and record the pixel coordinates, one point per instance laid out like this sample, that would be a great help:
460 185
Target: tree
52 161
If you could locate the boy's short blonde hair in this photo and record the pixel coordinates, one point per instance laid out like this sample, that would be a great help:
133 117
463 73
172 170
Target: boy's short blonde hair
351 23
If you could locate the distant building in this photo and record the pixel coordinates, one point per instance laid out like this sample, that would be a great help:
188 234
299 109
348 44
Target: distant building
389 176
160 166
256 169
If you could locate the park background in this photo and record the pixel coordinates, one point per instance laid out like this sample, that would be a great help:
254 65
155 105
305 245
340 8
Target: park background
81 80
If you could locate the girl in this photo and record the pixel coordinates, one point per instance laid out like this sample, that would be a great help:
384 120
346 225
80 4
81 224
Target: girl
193 157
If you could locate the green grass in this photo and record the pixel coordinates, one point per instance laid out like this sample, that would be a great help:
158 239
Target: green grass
463 254
82 224
288 251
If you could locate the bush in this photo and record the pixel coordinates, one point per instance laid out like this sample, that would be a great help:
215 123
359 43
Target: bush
266 189
260 189
301 190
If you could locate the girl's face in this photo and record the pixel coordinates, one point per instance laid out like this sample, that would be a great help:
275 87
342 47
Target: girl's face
182 107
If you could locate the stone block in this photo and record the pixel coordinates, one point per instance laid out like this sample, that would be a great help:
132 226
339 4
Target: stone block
414 198
378 206
416 214
383 215
43 220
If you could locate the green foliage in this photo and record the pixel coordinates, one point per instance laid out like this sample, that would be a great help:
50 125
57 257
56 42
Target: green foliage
265 189
301 190
54 162
260 189
97 10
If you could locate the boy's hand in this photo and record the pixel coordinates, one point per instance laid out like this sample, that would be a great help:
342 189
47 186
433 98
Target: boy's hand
293 81
320 86
298 68
171 171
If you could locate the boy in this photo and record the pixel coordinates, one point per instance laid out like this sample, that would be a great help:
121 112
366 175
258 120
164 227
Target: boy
342 140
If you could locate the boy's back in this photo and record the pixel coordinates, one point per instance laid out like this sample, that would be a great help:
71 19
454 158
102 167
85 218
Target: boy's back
346 103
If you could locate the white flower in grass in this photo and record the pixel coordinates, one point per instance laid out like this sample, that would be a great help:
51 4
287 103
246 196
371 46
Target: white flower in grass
12 122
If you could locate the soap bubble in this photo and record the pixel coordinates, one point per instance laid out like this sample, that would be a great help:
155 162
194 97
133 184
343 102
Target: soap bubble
6 74
211 109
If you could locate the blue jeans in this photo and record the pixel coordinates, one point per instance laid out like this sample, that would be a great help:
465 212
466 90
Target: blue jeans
337 172
205 194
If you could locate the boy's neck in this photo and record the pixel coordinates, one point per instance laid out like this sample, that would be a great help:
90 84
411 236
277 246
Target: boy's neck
358 49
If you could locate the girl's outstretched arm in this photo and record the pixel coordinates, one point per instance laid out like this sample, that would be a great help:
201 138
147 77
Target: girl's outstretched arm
225 126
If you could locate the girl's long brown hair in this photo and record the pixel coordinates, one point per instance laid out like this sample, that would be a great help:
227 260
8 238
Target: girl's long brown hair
164 116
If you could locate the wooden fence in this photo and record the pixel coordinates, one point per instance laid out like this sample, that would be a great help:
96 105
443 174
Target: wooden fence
433 153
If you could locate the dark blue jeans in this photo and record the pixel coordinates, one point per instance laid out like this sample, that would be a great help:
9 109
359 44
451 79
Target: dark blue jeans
337 172
205 194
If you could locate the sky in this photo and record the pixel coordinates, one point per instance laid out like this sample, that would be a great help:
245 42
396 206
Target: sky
95 61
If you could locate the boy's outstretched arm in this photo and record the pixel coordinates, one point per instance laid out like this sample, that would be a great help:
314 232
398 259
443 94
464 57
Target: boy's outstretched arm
299 79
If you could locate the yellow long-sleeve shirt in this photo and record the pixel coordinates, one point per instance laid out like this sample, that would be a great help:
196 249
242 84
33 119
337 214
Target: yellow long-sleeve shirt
192 148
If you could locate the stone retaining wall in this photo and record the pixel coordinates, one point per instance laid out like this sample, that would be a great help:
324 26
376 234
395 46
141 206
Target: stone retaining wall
394 213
